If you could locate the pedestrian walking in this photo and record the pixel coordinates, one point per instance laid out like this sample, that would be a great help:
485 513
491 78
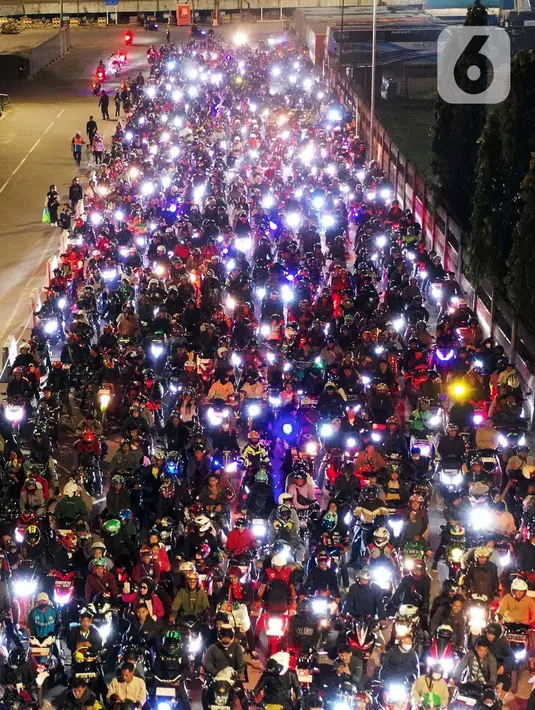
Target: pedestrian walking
104 103
52 202
75 194
77 145
64 218
91 129
98 148
117 99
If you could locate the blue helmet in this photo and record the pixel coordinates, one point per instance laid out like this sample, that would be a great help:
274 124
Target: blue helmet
126 515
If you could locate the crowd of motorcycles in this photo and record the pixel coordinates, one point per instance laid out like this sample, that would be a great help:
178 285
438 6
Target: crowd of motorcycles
246 304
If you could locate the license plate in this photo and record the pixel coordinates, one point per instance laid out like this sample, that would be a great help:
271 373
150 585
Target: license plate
304 676
466 700
517 638
62 584
86 676
166 691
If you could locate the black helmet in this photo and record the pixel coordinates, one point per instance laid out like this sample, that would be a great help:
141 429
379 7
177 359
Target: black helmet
273 667
16 657
370 492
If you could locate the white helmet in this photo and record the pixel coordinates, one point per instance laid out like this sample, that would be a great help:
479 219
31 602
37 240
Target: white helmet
278 560
285 498
381 536
519 585
203 523
71 489
283 658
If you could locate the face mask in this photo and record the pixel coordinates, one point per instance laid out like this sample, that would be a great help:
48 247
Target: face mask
406 647
437 676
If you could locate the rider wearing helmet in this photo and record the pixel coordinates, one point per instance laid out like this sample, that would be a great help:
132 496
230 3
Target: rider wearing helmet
19 670
365 598
278 685
241 539
451 445
421 418
518 607
100 580
261 499
191 600
415 588
254 452
482 575
417 523
431 684
285 525
118 496
322 578
381 548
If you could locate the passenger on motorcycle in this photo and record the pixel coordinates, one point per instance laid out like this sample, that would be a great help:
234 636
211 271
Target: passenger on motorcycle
401 662
450 445
323 577
278 685
415 588
478 666
431 682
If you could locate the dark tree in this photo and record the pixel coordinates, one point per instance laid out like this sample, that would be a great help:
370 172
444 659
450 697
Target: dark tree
489 242
455 134
521 264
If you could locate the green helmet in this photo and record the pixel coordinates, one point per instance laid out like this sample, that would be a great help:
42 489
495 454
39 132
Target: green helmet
111 527
100 562
172 642
431 700
261 476
329 521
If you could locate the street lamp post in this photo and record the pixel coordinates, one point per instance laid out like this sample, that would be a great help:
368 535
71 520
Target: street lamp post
341 44
372 97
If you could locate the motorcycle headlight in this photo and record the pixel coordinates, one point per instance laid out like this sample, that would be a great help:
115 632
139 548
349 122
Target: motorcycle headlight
287 429
253 411
311 449
351 442
164 706
105 631
522 441
51 326
382 577
456 554
275 401
275 626
194 645
502 441
14 413
156 350
320 606
109 274
396 693
396 526
24 587
105 400
326 430
519 655
376 436
62 303
401 630
478 419
259 530
436 420
447 665
477 614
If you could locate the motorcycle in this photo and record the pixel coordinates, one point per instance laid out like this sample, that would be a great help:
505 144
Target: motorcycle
442 651
517 636
361 636
478 615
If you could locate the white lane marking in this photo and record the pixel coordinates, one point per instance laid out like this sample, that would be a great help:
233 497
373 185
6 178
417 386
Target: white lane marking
59 114
34 146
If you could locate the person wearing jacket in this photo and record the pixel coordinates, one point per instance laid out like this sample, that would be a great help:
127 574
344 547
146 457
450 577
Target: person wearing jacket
224 653
78 697
100 581
517 607
482 576
451 445
451 615
365 598
125 459
278 685
145 595
502 652
401 662
191 600
414 587
70 507
477 666
43 618
117 497
84 634
432 682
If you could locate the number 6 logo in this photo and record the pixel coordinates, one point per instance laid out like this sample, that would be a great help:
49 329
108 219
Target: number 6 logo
473 65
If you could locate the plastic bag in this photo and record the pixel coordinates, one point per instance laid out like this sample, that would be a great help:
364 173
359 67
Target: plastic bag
46 216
